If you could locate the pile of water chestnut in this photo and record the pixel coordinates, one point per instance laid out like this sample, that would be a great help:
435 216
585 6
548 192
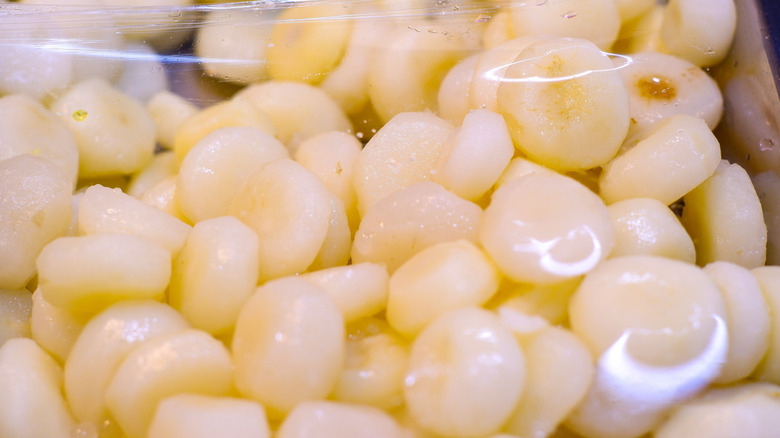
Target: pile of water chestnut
379 219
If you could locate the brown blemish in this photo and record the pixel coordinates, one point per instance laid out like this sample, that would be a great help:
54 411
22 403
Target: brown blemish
39 217
656 87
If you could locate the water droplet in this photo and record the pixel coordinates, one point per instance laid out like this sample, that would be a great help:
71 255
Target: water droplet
79 115
766 145
570 14
175 14
84 430
359 135
392 164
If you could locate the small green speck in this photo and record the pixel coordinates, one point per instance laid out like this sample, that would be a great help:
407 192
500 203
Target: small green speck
79 115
